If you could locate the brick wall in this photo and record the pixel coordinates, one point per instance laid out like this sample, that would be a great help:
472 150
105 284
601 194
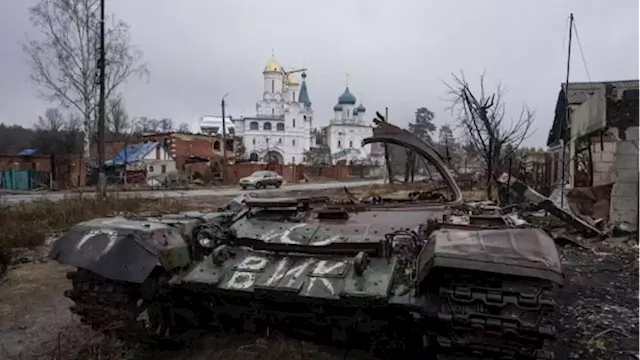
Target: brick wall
37 163
70 173
182 146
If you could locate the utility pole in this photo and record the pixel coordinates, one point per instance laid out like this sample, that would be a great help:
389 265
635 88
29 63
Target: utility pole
224 139
387 160
567 112
102 180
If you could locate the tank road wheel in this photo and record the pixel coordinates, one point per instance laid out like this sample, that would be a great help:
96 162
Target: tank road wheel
130 311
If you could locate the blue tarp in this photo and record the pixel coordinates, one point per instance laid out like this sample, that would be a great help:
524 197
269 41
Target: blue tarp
28 152
18 179
132 153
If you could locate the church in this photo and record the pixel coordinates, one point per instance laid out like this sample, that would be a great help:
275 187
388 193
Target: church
346 131
280 132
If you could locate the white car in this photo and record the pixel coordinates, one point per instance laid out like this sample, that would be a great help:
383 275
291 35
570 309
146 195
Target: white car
261 179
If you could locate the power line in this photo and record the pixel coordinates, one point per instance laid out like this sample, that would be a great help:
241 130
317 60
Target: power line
584 61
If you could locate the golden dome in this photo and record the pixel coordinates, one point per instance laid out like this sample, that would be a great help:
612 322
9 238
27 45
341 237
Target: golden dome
273 65
292 79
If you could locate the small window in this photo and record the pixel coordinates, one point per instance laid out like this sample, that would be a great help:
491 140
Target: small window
163 169
350 144
294 96
151 168
280 126
293 142
216 145
347 113
293 159
280 141
339 144
304 117
294 123
273 111
267 140
254 141
266 126
254 125
273 86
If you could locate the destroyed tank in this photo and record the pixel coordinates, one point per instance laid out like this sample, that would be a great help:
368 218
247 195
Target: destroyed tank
389 276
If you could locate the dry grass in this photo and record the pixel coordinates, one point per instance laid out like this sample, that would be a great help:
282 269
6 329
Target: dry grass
27 225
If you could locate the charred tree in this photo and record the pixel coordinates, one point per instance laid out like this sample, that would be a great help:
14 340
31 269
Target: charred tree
481 116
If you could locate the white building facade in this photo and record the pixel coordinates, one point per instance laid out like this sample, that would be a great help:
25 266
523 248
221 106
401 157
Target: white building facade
281 130
346 131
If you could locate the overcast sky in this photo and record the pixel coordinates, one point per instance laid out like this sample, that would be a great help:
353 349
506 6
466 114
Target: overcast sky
397 53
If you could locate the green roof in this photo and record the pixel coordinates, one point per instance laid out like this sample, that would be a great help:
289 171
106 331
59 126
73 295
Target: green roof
304 93
347 98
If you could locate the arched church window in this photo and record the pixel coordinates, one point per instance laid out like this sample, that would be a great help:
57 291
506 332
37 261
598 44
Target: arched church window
254 125
347 113
294 96
216 145
294 123
273 86
280 141
339 144
304 117
267 140
350 144
280 126
266 126
254 141
253 157
273 111
293 142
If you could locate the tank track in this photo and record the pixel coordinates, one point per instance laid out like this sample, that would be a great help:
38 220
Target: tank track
475 317
123 309
483 317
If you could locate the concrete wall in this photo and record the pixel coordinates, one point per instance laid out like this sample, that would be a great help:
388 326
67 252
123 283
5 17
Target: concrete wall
624 174
602 155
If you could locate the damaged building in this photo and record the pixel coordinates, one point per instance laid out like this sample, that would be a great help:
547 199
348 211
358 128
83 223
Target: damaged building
600 140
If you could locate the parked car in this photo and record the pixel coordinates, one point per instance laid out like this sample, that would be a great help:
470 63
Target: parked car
261 179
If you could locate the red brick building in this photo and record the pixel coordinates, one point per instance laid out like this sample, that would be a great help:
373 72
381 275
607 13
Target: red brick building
181 147
70 171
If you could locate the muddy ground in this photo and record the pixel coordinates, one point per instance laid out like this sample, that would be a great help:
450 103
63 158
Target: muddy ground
598 316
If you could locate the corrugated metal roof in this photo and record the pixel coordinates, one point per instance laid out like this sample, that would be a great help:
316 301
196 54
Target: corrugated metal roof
133 153
28 152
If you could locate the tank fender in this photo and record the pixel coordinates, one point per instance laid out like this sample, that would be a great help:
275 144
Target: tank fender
120 249
525 252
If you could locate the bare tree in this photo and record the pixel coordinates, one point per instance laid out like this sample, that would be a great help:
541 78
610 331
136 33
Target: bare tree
146 125
482 118
117 117
184 128
165 124
65 59
52 121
